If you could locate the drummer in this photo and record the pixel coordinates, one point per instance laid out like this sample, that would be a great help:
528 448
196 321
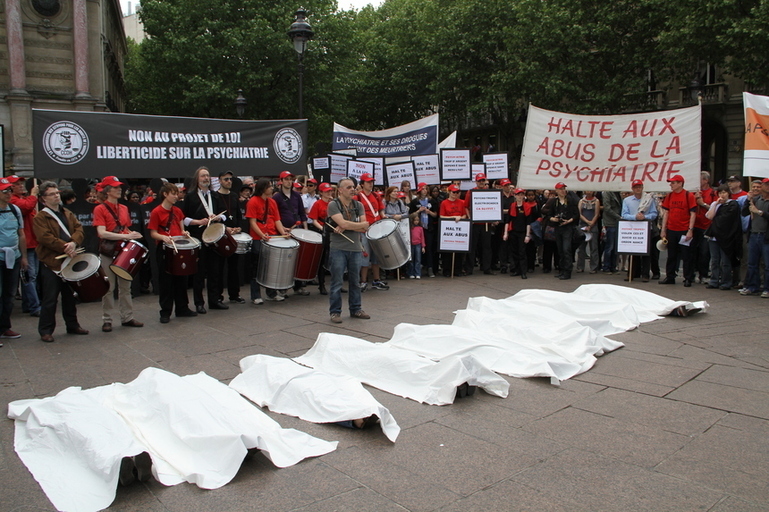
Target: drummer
166 221
318 214
264 221
111 221
229 202
292 214
58 232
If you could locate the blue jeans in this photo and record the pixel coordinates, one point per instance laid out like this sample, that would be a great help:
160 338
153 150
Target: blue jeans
610 250
757 249
30 302
720 266
339 262
415 268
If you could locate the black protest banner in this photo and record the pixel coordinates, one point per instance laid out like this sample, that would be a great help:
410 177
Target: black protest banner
94 144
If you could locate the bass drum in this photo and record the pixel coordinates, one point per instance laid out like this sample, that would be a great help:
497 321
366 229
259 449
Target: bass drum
129 259
277 263
244 243
216 236
84 275
310 253
387 244
183 259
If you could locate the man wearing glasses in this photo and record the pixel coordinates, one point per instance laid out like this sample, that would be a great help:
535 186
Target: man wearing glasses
58 232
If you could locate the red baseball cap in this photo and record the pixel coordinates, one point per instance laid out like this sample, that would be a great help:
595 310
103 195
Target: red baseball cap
297 185
519 191
325 187
765 180
636 183
5 184
480 176
13 179
560 185
677 177
366 177
504 182
286 174
111 181
401 195
421 186
313 181
453 188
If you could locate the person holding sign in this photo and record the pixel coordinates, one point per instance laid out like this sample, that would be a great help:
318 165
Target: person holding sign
563 213
452 208
518 231
481 234
640 206
725 236
679 211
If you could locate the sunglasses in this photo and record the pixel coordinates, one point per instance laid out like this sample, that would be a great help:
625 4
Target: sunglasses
225 179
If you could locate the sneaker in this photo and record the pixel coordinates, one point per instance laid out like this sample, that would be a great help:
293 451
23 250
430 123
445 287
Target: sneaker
277 298
379 285
336 318
364 287
412 277
258 301
282 293
10 335
360 314
430 274
419 277
238 300
301 291
748 291
765 295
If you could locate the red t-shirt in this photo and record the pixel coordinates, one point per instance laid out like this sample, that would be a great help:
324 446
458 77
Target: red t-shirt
103 216
679 205
319 212
27 206
451 208
255 210
708 196
159 220
372 212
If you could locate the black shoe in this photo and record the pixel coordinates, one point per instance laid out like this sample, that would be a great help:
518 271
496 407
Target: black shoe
710 286
546 271
564 277
523 276
238 300
189 312
656 276
201 310
558 276
668 280
165 319
515 274
489 272
687 283
217 305
503 270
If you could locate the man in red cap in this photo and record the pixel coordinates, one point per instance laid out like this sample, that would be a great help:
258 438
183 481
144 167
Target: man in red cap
13 257
374 210
481 235
507 253
562 211
679 211
112 221
292 214
452 208
27 203
318 214
310 197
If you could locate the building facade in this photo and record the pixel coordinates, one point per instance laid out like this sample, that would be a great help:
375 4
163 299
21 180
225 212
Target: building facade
56 55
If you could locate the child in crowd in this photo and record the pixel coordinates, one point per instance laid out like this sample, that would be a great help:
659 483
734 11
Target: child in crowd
417 247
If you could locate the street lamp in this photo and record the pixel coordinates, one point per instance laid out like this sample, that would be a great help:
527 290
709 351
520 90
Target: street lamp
240 104
300 32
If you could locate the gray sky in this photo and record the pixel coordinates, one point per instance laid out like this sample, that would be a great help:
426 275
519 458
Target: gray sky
356 4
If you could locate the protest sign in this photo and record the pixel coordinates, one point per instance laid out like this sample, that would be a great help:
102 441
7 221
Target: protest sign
338 166
455 164
496 166
321 168
608 152
427 168
633 237
356 168
475 169
756 155
397 173
89 144
485 205
454 236
417 138
378 168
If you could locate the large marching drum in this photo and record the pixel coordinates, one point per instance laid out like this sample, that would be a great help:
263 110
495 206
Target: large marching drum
243 241
182 256
277 263
216 236
129 259
388 245
310 253
84 275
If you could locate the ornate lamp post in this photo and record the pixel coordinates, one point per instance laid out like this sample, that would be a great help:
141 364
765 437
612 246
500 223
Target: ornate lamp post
300 32
240 104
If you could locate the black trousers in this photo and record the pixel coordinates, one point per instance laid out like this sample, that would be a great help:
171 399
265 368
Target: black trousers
52 286
173 289
481 239
209 276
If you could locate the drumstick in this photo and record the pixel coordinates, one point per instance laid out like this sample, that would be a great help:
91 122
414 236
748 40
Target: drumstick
213 217
79 250
176 251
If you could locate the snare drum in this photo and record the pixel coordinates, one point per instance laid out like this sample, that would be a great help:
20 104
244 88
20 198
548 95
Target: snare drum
277 263
310 254
184 260
244 243
129 259
84 275
216 236
387 244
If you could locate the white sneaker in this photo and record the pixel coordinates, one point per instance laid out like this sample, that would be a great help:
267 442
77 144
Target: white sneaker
277 298
364 286
258 301
419 277
765 295
412 277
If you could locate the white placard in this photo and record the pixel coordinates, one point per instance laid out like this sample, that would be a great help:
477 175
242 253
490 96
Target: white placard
338 167
454 236
356 168
378 168
478 168
455 164
485 205
633 237
427 168
496 165
321 163
396 173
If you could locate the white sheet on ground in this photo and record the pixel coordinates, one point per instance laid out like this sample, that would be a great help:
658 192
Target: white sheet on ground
287 387
195 428
400 372
648 305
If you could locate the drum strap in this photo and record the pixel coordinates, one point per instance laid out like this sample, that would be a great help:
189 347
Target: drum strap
170 220
61 224
205 200
119 227
368 203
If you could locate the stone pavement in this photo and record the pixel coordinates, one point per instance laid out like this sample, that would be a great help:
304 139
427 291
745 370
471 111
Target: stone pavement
677 420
